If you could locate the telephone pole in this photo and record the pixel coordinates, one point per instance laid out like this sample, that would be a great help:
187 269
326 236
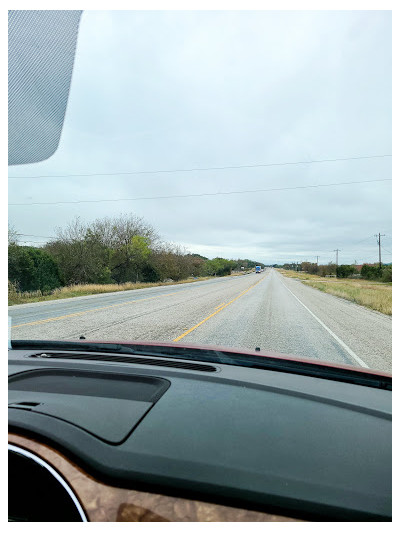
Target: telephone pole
337 254
379 244
317 259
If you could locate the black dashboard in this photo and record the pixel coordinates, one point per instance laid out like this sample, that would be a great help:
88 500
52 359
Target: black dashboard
267 440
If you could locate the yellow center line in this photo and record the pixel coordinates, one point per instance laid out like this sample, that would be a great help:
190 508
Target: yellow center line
45 320
219 305
215 312
88 311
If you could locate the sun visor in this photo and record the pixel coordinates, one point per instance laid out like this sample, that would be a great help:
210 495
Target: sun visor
41 52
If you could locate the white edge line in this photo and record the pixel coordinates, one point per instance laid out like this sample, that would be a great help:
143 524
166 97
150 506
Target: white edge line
43 463
342 344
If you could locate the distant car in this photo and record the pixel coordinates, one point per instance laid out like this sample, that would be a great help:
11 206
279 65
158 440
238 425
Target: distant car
258 269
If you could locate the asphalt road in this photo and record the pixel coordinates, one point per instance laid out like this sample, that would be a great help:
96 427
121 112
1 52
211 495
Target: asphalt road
265 310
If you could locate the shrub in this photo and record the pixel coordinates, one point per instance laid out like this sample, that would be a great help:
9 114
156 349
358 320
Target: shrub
370 272
387 274
32 269
12 290
345 271
383 273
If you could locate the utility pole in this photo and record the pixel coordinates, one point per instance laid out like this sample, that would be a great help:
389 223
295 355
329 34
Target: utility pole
379 244
337 253
317 259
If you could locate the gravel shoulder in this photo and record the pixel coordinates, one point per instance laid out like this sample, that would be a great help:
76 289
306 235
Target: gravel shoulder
368 333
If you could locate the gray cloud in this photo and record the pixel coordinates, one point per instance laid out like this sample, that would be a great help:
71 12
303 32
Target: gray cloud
168 90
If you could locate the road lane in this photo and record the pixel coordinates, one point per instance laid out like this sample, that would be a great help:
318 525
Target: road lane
157 313
28 313
272 318
368 333
265 310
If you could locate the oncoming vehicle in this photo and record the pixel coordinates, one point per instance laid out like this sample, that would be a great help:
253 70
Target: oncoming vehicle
107 425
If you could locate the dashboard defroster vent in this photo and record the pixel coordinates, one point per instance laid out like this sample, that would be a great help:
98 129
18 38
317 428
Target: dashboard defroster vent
127 360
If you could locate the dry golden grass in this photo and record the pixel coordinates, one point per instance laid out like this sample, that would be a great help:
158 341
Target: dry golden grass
71 291
373 294
299 275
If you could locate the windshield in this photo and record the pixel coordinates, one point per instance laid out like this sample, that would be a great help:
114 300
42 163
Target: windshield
223 178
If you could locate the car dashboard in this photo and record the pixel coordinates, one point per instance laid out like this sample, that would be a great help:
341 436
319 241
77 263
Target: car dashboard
158 438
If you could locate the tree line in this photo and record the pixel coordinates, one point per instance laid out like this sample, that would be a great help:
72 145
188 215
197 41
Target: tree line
373 272
109 250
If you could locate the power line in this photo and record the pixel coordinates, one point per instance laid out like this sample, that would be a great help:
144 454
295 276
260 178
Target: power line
363 240
202 169
35 242
199 195
325 252
30 235
352 244
390 253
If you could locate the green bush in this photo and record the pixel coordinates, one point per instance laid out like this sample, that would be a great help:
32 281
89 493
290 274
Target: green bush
218 267
31 269
383 273
387 274
345 271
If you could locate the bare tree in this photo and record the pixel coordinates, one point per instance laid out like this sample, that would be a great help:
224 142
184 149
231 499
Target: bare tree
12 235
78 254
75 231
105 250
115 232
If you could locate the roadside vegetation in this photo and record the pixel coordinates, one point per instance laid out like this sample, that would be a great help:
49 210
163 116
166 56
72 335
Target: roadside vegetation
372 289
107 255
366 271
299 275
376 296
71 291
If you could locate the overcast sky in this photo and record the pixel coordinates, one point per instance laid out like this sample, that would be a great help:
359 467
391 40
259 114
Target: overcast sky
185 90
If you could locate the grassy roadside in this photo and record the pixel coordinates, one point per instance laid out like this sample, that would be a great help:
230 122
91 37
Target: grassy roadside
71 291
372 294
301 275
